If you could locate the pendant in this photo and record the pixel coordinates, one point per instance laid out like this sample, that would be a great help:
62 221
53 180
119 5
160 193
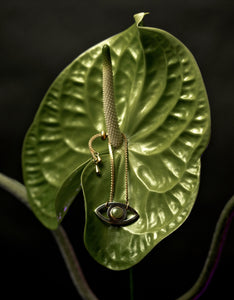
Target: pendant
118 214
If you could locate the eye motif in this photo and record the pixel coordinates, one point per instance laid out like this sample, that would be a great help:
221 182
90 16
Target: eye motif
116 213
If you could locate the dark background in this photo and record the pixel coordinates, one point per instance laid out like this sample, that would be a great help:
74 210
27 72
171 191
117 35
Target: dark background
37 40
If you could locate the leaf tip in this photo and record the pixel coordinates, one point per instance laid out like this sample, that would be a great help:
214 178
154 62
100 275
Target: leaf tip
139 18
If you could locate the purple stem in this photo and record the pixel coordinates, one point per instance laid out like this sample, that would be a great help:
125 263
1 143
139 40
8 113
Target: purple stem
220 249
214 254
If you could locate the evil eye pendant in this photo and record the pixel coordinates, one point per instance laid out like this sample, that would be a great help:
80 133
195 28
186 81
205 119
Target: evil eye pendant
116 213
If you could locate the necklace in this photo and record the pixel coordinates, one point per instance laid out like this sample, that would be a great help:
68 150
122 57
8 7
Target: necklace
112 212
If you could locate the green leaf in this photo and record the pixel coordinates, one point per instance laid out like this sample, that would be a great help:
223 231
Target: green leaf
119 248
162 109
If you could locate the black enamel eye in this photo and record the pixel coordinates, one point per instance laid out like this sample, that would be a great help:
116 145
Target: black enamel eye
118 214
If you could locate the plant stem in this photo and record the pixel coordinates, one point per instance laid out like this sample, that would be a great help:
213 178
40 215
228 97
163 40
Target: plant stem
114 133
72 264
65 247
15 188
214 253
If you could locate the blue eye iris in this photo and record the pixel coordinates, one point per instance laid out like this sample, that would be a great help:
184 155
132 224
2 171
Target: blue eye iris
116 213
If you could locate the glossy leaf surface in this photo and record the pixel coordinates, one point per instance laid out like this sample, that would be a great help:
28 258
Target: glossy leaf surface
162 109
160 213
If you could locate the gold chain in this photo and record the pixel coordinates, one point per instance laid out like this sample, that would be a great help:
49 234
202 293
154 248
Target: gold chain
92 151
97 160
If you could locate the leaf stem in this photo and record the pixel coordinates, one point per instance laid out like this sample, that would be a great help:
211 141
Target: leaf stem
214 253
15 188
65 247
72 264
114 133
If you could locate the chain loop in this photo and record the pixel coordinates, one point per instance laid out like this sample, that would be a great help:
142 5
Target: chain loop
97 160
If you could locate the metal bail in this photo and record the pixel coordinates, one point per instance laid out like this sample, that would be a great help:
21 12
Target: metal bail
97 169
98 159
